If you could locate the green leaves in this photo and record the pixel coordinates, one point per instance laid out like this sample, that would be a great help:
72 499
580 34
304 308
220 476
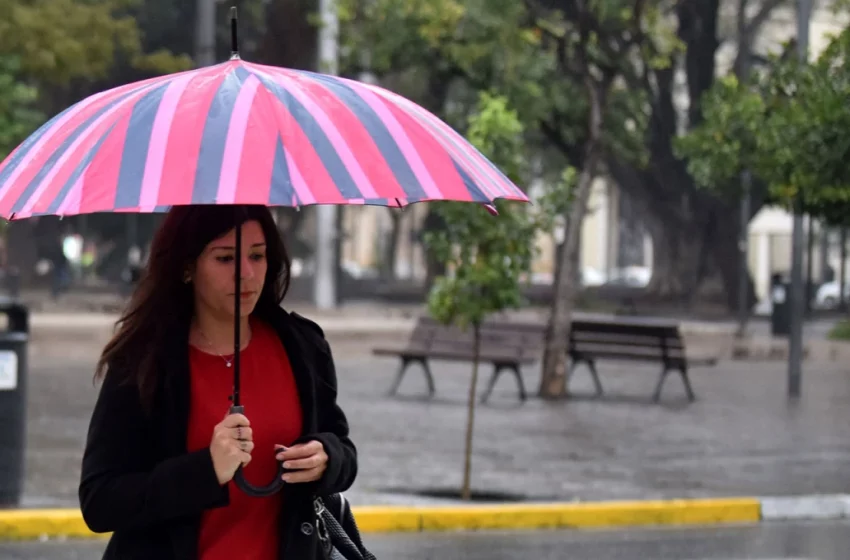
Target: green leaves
61 40
804 144
791 128
18 115
725 143
487 255
497 132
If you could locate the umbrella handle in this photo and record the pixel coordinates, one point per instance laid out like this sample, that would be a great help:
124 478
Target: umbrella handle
257 491
260 491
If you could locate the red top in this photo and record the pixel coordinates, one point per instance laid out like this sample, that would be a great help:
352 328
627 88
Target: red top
248 527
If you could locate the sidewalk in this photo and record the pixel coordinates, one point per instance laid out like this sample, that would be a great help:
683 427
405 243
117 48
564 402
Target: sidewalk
371 321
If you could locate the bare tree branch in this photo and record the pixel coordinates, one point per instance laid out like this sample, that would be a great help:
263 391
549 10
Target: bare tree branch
762 16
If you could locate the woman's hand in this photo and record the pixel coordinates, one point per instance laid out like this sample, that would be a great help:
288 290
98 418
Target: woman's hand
231 446
309 459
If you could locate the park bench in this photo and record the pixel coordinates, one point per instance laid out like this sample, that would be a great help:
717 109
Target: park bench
506 345
633 340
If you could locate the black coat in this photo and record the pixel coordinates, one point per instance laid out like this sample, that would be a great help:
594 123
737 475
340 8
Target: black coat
140 483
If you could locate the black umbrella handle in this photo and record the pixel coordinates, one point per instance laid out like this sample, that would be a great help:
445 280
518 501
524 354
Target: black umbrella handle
260 491
257 491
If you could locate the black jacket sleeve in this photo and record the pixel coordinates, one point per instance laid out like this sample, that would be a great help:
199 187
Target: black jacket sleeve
120 486
333 430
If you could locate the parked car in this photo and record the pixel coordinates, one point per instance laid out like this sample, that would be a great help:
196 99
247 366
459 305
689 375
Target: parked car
827 296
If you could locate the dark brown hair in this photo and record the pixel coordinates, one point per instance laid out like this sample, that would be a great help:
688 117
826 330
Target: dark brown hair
163 304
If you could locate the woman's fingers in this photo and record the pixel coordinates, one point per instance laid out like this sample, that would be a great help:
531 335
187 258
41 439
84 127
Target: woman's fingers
243 433
246 446
299 450
309 475
308 463
246 458
234 420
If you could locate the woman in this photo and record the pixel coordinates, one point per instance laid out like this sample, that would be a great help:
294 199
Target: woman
162 449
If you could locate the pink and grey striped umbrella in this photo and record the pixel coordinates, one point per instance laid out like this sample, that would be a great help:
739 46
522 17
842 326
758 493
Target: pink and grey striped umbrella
243 133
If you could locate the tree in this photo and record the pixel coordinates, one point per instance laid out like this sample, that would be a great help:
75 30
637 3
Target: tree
724 145
805 143
486 255
59 41
791 127
693 238
594 43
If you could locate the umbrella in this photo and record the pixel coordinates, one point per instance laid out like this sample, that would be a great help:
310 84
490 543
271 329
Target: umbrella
241 133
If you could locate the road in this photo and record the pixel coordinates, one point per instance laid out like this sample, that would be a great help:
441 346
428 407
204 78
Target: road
787 541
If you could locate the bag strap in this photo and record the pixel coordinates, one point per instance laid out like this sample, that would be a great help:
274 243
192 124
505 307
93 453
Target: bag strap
343 504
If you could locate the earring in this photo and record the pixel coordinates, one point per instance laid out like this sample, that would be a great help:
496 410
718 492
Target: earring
187 278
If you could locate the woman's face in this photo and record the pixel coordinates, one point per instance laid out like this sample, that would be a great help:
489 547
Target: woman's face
214 275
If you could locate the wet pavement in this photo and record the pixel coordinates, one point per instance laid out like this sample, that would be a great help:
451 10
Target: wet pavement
741 437
821 541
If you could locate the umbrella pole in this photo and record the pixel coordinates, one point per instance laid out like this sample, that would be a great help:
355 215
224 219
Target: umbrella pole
237 314
236 407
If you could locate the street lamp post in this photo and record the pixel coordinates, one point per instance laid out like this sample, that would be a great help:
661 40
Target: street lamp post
795 346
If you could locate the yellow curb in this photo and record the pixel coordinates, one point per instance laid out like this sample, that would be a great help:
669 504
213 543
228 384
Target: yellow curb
27 524
559 515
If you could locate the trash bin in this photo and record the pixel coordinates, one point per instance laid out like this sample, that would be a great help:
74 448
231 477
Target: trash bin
14 338
780 299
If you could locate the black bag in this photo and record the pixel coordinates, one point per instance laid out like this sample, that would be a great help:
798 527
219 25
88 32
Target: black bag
338 534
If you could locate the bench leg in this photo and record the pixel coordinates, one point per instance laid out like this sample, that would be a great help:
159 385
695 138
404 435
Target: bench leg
596 382
591 366
523 396
497 371
657 395
687 382
429 377
398 376
405 362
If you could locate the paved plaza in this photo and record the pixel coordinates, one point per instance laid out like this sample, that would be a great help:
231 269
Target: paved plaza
741 437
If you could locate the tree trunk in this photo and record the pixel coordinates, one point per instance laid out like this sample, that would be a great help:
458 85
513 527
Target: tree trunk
466 489
842 271
675 260
692 247
725 257
290 40
434 267
553 383
390 247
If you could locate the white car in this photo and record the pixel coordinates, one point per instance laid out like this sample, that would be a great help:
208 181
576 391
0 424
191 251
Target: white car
827 296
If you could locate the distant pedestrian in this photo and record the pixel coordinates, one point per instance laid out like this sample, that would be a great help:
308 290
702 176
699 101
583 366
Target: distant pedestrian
162 449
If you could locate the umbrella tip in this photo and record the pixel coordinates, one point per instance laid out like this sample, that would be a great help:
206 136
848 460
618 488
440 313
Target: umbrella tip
234 36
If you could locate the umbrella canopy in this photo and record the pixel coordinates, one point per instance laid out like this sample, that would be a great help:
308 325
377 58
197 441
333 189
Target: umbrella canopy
243 133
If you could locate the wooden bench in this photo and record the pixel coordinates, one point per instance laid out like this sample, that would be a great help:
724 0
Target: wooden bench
633 340
504 344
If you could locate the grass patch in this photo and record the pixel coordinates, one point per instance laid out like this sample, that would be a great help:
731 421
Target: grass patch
841 331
